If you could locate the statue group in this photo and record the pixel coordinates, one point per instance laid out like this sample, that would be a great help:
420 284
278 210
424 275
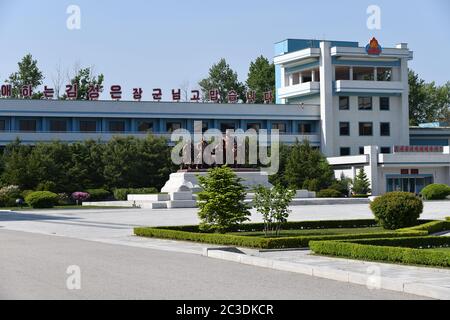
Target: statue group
202 155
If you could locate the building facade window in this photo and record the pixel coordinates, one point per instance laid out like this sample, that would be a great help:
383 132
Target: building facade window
305 128
27 125
2 125
385 103
385 129
385 150
172 126
363 73
361 150
366 129
342 73
365 103
255 126
344 128
224 126
58 125
344 103
345 151
88 126
384 74
145 126
281 127
117 126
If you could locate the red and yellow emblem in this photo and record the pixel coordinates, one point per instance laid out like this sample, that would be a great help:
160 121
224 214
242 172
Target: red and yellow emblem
374 48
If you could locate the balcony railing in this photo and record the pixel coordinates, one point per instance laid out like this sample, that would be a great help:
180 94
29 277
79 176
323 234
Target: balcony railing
357 86
298 90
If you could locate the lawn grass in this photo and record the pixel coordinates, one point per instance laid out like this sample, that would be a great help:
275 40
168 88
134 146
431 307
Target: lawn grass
312 232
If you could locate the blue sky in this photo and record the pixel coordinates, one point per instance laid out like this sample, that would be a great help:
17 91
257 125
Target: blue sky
165 43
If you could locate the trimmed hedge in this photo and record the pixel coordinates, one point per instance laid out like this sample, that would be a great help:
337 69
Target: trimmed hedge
98 194
386 250
122 194
329 193
296 225
431 227
436 192
256 242
42 199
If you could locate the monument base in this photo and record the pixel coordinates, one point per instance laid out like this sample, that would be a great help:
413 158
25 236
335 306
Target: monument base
186 180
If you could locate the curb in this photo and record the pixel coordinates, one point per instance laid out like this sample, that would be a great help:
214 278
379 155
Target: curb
408 287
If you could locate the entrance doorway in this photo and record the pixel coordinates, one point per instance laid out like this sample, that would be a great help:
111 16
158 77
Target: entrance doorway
405 183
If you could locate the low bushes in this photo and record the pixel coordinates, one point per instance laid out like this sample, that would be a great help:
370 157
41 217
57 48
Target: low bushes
396 210
122 194
42 199
431 227
329 193
192 233
8 196
402 250
294 225
98 194
436 192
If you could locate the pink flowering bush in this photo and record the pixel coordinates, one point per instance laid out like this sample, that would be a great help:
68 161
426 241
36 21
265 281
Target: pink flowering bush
79 197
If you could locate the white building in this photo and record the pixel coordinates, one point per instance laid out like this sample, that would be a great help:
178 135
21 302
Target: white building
364 113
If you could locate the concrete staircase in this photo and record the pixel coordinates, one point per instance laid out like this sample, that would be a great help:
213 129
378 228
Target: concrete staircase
171 200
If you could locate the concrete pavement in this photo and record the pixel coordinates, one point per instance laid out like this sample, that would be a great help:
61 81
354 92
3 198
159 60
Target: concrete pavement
34 267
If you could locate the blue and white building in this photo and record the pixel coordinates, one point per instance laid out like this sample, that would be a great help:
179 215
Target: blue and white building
343 98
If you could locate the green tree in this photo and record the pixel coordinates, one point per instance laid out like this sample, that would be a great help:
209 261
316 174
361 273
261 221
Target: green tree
83 79
361 184
273 205
280 178
224 79
428 102
15 160
28 74
307 168
261 78
221 202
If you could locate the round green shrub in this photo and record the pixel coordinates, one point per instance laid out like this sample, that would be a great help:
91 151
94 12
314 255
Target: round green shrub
42 199
436 192
397 210
329 193
98 194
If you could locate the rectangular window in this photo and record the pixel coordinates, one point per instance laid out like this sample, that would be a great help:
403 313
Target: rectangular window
384 74
344 128
365 129
279 126
363 73
2 125
305 128
385 129
345 151
117 126
344 103
361 150
254 126
385 103
385 150
58 125
88 126
342 73
172 126
145 126
27 125
227 126
365 103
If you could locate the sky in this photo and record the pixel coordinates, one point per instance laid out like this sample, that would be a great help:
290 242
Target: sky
167 44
